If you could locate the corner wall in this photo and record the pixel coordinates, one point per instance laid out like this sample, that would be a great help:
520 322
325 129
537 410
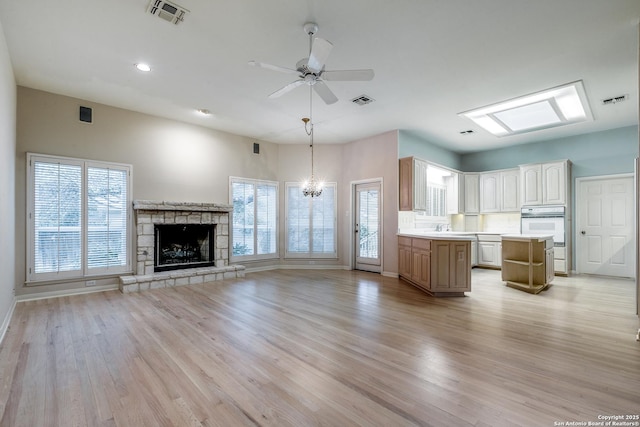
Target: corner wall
8 232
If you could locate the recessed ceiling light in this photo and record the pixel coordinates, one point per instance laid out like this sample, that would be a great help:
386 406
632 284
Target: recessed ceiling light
558 106
143 67
203 112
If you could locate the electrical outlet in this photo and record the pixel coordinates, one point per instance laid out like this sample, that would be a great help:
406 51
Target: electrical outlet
90 283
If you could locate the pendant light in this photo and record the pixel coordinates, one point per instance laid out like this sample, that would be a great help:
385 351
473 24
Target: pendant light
311 187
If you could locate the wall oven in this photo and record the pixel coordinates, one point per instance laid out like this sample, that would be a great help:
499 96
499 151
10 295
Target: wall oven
544 220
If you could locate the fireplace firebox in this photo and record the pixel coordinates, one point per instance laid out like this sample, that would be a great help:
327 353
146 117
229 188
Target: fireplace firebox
179 246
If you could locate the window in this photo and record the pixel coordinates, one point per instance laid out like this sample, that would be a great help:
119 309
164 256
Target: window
311 222
255 218
436 200
78 218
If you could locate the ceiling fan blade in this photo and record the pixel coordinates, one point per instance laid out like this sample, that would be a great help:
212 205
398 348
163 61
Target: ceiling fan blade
325 93
319 53
273 67
287 88
348 75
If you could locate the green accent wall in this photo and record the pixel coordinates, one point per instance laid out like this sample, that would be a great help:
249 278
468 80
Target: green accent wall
599 153
410 144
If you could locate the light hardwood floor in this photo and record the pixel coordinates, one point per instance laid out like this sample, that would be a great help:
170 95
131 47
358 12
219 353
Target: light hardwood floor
332 348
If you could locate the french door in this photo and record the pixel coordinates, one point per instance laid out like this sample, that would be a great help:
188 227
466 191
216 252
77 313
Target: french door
368 226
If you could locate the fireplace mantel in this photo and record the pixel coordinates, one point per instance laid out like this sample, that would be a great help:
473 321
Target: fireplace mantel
151 205
148 214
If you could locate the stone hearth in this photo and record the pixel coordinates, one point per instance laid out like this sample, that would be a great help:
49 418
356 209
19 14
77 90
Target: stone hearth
150 213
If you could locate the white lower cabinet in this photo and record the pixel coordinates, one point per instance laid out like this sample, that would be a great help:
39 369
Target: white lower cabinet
489 250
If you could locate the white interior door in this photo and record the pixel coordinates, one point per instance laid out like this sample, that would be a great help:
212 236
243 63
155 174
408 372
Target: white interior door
605 232
367 227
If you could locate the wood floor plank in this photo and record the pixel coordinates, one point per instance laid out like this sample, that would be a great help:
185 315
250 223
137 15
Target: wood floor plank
326 348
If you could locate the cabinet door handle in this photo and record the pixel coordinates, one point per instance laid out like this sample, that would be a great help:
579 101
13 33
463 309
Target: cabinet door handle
583 232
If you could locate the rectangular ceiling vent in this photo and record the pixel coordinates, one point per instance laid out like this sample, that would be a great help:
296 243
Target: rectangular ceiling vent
167 10
362 100
615 99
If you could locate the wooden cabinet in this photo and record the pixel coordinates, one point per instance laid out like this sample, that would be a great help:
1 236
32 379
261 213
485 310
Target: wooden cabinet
413 184
421 262
527 262
438 267
544 183
471 193
450 266
404 256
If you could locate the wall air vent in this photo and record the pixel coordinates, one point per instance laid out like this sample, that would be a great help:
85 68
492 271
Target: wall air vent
615 99
168 11
362 100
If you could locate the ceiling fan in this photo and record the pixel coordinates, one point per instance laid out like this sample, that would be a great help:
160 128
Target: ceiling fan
311 70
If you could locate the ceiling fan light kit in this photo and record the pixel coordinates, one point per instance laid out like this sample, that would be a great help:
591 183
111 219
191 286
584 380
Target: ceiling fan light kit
311 70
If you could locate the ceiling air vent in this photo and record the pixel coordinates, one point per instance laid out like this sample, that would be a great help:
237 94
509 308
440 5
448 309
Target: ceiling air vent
168 11
362 100
615 99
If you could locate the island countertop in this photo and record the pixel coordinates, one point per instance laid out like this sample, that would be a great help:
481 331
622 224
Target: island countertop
441 235
528 237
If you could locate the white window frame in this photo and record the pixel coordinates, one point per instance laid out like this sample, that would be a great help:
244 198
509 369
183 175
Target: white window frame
311 254
255 256
83 271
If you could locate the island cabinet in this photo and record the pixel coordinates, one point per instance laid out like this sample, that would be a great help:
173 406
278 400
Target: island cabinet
527 262
439 267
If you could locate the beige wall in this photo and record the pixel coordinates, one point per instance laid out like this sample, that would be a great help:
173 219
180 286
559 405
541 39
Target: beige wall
182 162
367 159
7 183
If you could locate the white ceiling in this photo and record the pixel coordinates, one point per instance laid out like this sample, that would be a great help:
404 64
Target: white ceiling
432 59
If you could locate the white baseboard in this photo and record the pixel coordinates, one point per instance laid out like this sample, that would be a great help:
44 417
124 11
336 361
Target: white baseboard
7 320
295 267
67 292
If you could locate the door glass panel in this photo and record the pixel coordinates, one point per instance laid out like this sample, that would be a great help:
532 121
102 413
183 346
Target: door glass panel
369 232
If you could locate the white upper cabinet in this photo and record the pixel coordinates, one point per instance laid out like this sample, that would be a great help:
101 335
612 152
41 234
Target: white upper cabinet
455 193
489 192
500 191
554 183
544 183
510 190
471 193
531 184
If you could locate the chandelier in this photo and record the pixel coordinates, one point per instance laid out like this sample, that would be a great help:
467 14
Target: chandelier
311 187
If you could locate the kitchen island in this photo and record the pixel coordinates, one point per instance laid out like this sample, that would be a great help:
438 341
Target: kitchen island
436 263
527 261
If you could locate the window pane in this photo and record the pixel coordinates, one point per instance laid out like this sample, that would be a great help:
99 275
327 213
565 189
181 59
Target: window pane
298 220
323 221
243 212
266 218
369 223
106 218
57 217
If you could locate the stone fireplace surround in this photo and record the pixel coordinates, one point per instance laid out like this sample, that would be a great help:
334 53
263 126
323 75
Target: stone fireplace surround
148 213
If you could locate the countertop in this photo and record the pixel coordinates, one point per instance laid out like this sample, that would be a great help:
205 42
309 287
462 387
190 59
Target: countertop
441 235
535 237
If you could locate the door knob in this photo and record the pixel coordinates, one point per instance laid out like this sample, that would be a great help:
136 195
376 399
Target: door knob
583 232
